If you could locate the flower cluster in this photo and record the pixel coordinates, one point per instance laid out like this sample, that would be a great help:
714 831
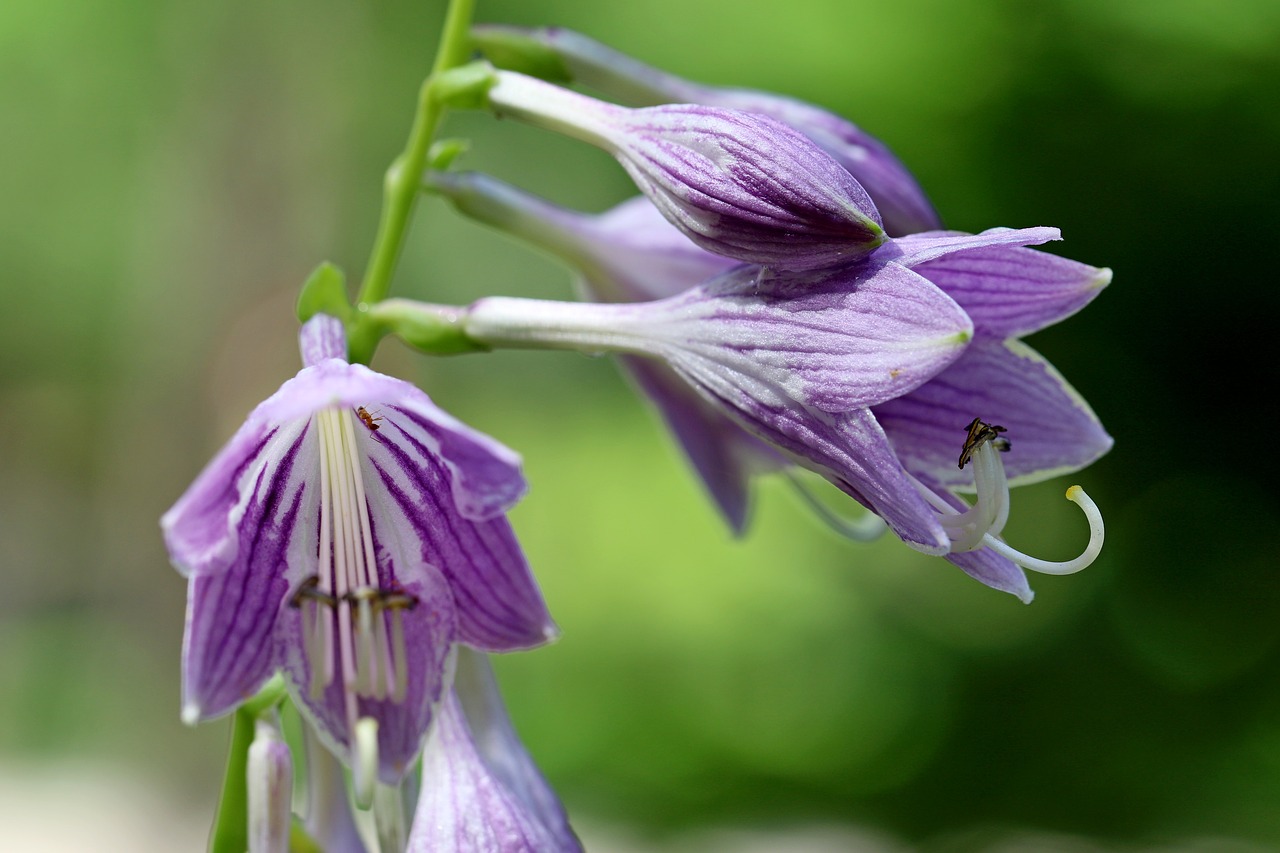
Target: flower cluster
781 290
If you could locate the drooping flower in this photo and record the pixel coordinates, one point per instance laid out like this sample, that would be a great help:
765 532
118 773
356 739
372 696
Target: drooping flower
797 359
350 534
632 253
570 56
738 184
480 788
1009 292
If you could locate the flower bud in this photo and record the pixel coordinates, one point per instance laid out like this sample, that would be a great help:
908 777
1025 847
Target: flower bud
569 56
738 184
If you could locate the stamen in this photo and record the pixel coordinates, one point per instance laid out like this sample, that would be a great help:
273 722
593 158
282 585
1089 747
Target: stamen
397 603
866 528
990 511
309 590
369 658
980 525
1096 535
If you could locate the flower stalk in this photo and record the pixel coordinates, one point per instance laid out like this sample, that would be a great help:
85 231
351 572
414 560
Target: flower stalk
404 177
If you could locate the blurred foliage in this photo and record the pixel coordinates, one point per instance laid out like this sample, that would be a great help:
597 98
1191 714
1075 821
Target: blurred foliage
173 171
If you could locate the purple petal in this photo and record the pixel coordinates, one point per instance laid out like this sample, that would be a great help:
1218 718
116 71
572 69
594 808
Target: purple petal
429 629
852 451
640 256
499 606
500 749
200 530
900 199
748 187
228 647
916 249
486 474
1011 292
321 338
837 341
465 807
1052 430
988 567
723 454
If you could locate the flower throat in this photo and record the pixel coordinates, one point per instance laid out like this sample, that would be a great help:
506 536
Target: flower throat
344 599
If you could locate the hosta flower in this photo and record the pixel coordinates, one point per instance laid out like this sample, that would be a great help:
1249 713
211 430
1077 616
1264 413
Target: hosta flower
631 253
1009 292
737 184
797 359
572 56
480 788
349 534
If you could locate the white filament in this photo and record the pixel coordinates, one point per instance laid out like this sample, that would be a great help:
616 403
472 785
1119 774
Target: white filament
980 525
368 659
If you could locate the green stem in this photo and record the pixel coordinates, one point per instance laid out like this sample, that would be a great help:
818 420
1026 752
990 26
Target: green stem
404 177
231 826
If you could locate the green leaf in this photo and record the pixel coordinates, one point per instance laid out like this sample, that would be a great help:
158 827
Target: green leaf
231 825
444 151
325 292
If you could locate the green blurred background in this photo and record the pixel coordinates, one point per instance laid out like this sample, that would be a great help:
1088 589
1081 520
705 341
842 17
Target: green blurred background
170 172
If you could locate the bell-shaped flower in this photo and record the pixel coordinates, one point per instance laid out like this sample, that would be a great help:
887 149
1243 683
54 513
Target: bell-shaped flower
480 788
350 534
796 359
1009 292
738 184
632 253
572 56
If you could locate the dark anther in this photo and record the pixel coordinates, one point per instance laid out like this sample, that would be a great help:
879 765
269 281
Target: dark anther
383 599
310 589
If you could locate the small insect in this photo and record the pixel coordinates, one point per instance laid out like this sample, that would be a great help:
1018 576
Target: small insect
370 421
980 432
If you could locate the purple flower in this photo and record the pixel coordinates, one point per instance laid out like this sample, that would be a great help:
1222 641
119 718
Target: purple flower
349 534
480 788
738 184
1009 292
796 359
901 201
631 253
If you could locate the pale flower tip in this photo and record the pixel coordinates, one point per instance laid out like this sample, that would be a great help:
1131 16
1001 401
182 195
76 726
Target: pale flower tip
1100 279
190 714
364 764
